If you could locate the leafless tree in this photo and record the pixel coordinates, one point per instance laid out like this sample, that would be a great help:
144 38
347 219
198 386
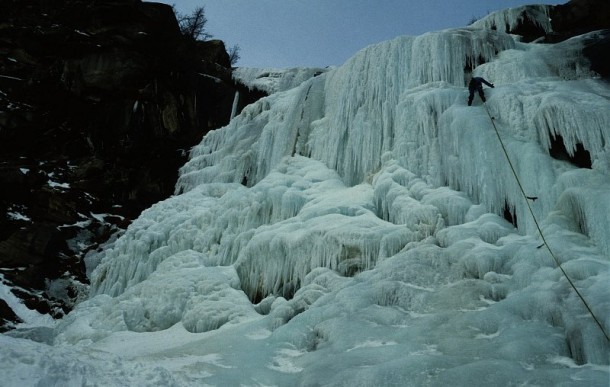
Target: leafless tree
234 53
193 25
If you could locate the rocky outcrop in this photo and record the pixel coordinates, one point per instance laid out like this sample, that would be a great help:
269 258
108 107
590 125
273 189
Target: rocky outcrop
597 52
573 18
581 16
577 17
100 101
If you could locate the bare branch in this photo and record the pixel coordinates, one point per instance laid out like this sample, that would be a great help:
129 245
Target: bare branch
193 25
234 53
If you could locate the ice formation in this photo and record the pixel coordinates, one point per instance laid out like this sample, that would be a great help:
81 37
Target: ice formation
348 231
273 80
509 19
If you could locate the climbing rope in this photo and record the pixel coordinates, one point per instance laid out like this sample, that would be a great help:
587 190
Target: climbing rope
544 242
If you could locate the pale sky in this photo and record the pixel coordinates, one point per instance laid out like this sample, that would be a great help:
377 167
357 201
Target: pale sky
320 33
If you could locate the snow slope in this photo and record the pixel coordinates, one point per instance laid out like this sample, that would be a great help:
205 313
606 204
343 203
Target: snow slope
349 232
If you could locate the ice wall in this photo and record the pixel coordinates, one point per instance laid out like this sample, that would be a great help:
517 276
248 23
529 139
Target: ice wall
406 97
508 19
334 215
401 96
274 80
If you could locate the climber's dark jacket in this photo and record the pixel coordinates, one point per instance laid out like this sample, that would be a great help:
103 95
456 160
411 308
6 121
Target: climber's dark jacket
476 84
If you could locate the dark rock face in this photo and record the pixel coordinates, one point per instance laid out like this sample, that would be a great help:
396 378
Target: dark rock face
573 18
597 51
580 16
100 101
7 316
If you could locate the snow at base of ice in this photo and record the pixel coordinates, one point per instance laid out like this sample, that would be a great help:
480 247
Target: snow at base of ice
349 231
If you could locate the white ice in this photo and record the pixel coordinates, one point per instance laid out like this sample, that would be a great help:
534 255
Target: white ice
348 231
508 19
271 80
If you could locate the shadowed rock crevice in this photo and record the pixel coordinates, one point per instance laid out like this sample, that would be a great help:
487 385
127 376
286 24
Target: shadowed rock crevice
579 157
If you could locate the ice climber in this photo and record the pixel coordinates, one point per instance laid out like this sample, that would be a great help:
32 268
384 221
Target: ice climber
476 84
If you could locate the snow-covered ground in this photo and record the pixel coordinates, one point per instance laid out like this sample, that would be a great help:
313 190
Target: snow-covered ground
349 232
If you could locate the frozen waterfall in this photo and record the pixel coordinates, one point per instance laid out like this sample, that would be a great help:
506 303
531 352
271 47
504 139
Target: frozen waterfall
348 230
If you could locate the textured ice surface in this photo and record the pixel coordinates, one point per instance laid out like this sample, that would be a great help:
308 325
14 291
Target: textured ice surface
349 231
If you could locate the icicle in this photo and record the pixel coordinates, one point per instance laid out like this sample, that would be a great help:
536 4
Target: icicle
235 104
276 80
508 19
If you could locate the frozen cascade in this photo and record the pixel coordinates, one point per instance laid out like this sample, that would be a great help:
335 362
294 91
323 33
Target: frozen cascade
234 106
508 19
363 117
276 80
358 216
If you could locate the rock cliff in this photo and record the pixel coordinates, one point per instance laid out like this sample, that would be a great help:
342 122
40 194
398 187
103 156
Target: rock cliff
100 101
